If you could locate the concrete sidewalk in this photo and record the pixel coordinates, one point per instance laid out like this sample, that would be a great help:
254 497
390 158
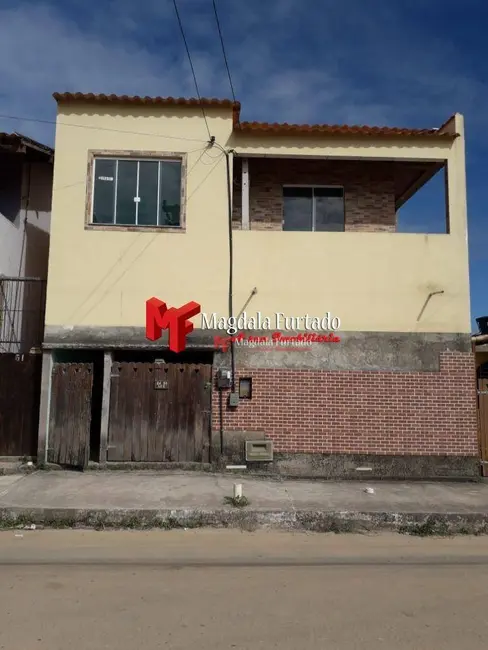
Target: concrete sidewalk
174 499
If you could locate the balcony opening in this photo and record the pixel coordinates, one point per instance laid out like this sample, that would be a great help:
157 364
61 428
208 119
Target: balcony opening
426 210
341 195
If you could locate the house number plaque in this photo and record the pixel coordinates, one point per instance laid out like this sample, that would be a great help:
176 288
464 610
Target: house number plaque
159 384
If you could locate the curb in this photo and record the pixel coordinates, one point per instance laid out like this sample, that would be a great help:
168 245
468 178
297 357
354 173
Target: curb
16 470
420 524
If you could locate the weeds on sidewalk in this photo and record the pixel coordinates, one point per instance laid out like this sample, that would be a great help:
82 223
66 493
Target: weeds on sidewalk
437 527
237 502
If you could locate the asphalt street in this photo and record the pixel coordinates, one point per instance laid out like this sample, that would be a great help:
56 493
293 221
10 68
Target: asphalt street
227 589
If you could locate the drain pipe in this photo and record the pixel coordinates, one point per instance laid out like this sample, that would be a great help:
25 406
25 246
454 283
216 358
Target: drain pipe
230 291
231 267
432 293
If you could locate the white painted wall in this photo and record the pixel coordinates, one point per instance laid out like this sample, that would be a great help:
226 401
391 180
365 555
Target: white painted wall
24 242
24 252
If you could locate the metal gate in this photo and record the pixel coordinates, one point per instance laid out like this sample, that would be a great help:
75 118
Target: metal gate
160 412
22 308
70 414
20 384
483 415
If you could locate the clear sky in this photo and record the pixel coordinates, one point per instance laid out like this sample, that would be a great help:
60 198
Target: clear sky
380 62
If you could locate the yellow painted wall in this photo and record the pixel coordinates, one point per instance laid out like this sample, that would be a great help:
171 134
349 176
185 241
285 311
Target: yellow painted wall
372 281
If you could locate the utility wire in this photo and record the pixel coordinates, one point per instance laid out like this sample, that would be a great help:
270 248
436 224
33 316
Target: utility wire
192 68
223 50
83 180
96 128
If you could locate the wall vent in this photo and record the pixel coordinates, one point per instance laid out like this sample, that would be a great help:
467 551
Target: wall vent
259 450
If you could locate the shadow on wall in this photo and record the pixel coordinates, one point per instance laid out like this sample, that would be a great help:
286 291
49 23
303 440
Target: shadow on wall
32 294
10 186
36 251
40 190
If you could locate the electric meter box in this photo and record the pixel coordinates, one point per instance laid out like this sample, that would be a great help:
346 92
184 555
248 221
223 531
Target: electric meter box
224 378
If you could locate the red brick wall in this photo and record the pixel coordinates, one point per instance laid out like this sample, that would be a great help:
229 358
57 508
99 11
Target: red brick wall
369 190
416 413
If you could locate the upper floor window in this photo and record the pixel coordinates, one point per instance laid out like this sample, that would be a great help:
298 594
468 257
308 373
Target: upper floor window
313 209
137 192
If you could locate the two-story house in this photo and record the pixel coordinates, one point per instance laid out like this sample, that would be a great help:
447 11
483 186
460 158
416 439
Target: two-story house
353 355
26 172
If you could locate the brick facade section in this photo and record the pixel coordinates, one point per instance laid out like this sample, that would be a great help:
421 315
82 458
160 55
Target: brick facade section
365 412
369 191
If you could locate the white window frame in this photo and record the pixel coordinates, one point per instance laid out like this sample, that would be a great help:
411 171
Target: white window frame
318 187
159 160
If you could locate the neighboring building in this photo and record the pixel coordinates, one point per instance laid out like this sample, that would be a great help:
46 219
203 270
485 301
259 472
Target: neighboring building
26 170
140 209
480 346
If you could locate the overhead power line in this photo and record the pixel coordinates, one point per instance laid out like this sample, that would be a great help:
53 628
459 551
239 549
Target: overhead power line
192 68
223 50
97 128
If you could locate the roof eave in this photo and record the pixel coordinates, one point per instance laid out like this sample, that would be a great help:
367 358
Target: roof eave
340 132
91 98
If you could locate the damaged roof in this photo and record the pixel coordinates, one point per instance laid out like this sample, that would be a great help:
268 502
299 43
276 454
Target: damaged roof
19 141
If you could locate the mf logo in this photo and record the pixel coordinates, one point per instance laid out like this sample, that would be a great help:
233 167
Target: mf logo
174 319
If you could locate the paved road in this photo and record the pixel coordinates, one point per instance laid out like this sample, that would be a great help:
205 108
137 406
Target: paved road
225 589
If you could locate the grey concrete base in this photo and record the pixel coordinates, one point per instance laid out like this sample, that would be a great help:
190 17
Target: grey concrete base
391 351
250 520
344 466
360 466
331 467
162 467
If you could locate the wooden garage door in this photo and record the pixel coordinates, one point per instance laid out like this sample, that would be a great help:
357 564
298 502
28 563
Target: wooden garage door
70 414
160 412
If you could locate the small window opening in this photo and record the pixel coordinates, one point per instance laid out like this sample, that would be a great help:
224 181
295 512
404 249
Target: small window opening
245 388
